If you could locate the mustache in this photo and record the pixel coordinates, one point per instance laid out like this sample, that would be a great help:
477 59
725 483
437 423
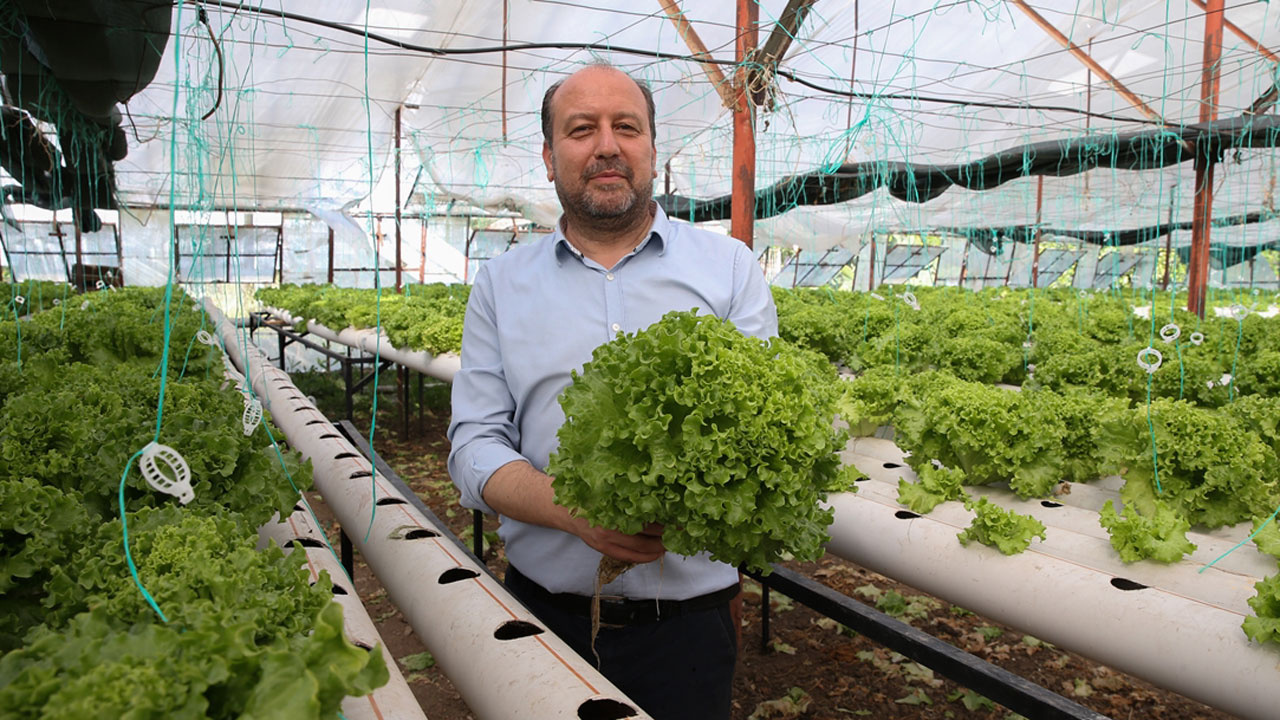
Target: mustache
615 165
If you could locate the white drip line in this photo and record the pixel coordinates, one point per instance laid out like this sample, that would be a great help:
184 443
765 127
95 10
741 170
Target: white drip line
1169 624
442 367
497 653
393 700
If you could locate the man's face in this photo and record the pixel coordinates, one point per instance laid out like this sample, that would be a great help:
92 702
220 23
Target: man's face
601 154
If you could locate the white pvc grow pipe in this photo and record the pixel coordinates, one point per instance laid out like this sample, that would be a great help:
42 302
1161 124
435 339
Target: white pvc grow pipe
442 367
1172 625
393 700
496 652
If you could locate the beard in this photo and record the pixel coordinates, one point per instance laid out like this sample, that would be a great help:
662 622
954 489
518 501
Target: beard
616 209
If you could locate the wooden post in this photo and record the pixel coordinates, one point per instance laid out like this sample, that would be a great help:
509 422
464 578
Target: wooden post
742 221
1202 214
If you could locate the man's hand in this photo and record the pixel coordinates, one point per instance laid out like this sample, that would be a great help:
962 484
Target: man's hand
519 491
645 546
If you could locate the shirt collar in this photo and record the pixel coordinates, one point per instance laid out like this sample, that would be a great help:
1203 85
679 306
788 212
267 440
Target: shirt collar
660 232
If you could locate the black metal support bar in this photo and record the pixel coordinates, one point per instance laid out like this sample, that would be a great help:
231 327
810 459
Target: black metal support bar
346 383
358 385
301 338
422 427
1010 690
348 554
477 533
764 617
402 375
353 436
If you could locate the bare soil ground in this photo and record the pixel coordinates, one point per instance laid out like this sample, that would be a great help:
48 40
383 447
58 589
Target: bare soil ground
810 667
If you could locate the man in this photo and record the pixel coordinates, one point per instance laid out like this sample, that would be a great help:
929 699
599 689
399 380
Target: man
615 264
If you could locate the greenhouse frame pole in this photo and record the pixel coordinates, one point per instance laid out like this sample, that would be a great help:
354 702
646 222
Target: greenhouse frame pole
1202 213
1089 62
871 266
399 257
1035 253
699 51
1235 30
742 220
1168 239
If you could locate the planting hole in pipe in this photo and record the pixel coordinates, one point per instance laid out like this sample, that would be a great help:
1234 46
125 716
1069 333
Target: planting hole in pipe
905 515
383 502
360 474
1050 503
1126 584
298 507
420 534
337 589
515 629
344 455
453 575
330 436
300 408
891 466
315 422
307 542
362 645
605 709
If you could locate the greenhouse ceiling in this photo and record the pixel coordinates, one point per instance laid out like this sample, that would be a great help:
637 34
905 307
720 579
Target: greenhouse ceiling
294 104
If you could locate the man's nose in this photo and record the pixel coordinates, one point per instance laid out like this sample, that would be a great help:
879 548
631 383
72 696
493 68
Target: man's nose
607 143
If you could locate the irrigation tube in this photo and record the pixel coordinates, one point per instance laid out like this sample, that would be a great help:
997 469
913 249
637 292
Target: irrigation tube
495 651
442 367
393 700
1167 624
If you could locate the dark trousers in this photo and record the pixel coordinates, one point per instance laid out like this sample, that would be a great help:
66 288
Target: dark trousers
678 668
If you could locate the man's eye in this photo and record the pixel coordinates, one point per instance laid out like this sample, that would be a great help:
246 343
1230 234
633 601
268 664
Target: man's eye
580 130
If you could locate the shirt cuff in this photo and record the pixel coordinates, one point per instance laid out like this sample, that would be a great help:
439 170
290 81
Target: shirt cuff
479 465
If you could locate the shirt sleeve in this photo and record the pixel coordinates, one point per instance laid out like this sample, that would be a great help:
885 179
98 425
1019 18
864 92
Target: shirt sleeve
751 310
482 432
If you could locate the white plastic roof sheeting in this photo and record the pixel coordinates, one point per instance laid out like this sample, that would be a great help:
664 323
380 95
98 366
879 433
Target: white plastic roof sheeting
306 116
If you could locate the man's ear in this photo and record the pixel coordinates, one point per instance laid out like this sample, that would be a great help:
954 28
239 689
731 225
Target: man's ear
546 160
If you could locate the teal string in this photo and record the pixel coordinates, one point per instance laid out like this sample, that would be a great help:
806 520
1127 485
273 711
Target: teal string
377 284
1155 459
1231 386
1240 544
1182 375
164 356
124 531
17 320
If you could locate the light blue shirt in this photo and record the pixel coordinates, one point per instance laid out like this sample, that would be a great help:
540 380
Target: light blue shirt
535 314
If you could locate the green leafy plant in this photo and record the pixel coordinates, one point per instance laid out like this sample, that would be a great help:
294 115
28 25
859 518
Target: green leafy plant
1004 530
725 439
1161 536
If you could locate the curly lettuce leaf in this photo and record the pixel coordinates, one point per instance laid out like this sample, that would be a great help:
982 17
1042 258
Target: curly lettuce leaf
1160 536
1004 530
725 439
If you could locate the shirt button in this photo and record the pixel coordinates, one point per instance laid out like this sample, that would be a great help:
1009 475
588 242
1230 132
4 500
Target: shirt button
608 276
616 327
